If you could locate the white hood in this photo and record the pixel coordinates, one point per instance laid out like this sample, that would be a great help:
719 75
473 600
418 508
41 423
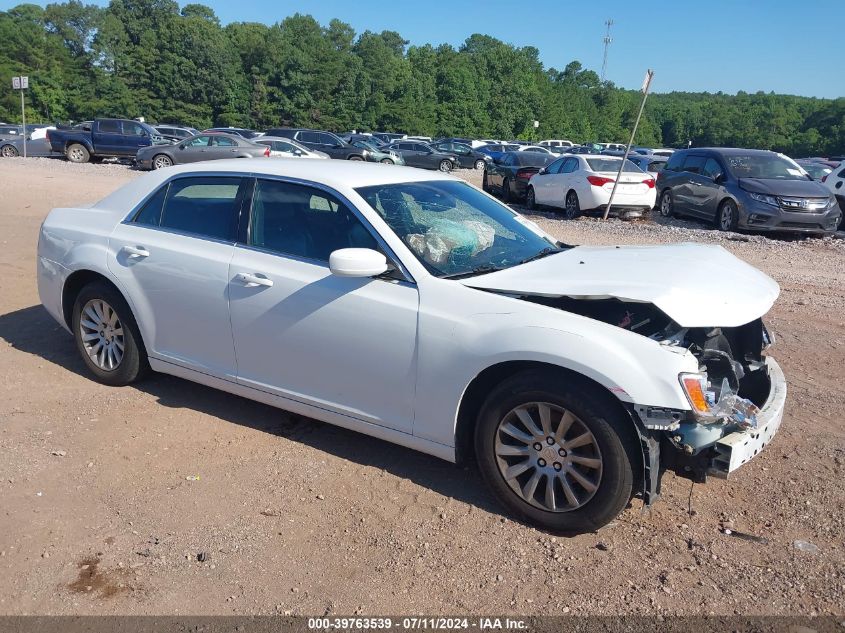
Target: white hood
696 285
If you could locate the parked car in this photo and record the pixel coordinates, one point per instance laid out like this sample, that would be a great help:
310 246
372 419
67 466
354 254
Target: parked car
120 138
320 141
581 149
583 183
746 189
509 175
10 131
419 154
534 148
238 131
369 138
468 158
663 151
388 137
203 146
476 144
552 143
423 139
379 153
649 163
497 150
817 170
288 148
835 182
175 133
37 144
573 379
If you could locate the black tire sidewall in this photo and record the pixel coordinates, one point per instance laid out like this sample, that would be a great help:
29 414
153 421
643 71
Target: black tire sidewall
616 442
566 212
530 200
734 216
670 213
134 363
506 190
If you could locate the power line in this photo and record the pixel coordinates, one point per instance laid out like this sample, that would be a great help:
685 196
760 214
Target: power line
607 40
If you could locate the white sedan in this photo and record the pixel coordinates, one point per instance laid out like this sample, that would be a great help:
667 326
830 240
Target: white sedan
410 306
287 148
584 182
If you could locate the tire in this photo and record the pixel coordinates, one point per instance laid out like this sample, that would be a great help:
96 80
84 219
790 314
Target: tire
572 207
356 158
530 201
9 151
727 217
480 164
445 166
100 298
667 204
506 190
77 153
605 462
484 185
386 161
161 161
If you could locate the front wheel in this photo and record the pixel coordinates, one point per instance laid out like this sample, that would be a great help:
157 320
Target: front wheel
728 216
530 201
445 166
161 161
386 161
77 153
556 452
480 164
667 205
107 336
9 151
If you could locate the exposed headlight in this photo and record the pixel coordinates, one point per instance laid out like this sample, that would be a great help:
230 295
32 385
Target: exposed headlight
710 405
765 198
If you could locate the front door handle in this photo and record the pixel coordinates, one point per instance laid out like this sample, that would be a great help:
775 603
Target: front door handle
136 251
250 280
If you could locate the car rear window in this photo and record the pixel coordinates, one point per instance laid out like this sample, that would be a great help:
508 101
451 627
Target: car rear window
610 164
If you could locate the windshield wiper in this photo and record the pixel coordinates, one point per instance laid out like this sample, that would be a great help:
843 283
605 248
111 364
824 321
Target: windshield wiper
478 270
551 250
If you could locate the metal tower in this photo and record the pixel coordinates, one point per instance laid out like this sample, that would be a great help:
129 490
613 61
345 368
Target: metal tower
607 40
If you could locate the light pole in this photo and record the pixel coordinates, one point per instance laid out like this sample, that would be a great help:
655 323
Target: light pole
22 83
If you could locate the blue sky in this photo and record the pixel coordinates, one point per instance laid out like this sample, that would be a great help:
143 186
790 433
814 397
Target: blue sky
770 45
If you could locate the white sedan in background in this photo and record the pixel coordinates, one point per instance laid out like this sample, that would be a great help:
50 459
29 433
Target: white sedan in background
583 182
287 148
413 307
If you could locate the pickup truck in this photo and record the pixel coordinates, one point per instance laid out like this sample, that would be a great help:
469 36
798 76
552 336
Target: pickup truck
107 137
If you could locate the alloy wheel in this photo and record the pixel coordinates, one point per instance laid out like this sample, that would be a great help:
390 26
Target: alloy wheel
666 205
102 334
726 217
548 457
9 151
162 161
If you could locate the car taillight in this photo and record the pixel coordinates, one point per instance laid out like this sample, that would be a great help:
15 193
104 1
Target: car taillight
599 181
649 183
267 151
524 175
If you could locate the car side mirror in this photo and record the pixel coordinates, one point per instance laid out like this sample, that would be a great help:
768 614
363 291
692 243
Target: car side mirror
297 152
719 178
357 262
542 171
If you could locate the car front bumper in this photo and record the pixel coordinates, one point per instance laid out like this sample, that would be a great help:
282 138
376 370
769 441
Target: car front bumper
740 447
758 216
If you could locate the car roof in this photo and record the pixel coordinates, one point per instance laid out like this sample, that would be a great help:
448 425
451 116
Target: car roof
728 151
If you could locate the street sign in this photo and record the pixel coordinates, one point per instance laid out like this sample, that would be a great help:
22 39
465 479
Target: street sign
647 81
20 83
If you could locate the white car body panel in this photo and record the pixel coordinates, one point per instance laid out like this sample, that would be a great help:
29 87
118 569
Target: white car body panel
387 358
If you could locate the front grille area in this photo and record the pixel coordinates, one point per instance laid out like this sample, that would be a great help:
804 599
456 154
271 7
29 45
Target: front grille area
803 205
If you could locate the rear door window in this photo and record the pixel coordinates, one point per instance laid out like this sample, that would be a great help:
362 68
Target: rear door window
694 164
204 206
109 126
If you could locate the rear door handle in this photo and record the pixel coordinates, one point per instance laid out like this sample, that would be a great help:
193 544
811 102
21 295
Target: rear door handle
250 280
136 251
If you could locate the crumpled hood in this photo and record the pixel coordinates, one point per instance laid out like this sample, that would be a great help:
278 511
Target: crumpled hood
696 285
774 187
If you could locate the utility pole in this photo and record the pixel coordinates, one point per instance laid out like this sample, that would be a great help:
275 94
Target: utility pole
607 40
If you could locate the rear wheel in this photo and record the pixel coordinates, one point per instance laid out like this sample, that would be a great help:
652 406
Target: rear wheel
728 216
9 151
480 164
107 336
77 153
484 185
445 165
386 161
356 158
555 452
506 190
572 207
530 201
161 161
667 204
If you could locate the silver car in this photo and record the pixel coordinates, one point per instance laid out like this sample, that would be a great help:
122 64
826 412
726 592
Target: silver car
206 146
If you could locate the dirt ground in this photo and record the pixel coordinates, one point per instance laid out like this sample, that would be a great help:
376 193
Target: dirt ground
108 496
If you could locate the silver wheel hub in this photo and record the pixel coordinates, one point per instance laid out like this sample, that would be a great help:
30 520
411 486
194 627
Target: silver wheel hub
548 457
102 334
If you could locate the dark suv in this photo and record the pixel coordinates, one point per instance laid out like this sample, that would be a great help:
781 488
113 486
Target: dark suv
321 141
747 189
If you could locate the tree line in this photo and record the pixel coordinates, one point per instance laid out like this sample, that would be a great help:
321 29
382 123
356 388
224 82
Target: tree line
152 58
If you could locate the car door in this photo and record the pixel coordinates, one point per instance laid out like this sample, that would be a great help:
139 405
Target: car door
193 150
172 260
568 177
689 179
342 344
134 138
707 193
542 182
411 157
107 136
222 147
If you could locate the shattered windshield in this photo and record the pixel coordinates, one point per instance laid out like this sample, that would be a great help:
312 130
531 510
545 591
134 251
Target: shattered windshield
456 230
765 166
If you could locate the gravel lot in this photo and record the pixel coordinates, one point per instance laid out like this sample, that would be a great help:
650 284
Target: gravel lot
108 496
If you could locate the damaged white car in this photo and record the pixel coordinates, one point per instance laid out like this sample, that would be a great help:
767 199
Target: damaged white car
411 306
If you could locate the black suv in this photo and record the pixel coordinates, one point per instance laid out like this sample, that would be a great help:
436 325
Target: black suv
746 189
321 141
